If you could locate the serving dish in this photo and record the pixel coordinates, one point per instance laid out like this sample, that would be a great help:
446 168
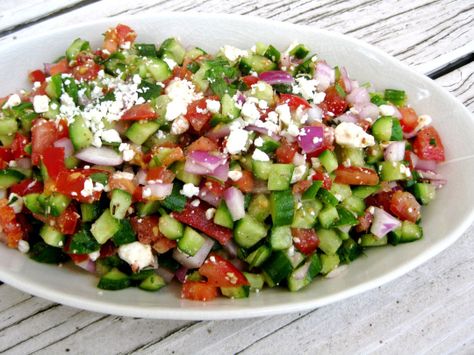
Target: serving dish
444 220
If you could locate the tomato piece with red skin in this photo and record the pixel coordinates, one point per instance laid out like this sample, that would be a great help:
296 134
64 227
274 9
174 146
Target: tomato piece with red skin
214 187
163 244
10 225
286 151
117 182
27 186
67 222
160 174
427 145
204 144
405 206
182 72
53 159
197 114
78 258
6 155
327 143
249 80
293 101
195 216
409 119
146 228
198 291
301 186
221 272
108 249
365 221
37 76
18 146
305 240
139 112
43 135
354 175
381 200
246 182
324 177
60 67
333 104
71 183
137 195
115 37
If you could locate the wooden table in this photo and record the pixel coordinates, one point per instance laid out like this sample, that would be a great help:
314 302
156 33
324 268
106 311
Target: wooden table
429 310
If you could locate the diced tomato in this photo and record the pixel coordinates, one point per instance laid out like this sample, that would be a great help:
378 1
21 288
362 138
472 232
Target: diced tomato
409 119
60 67
301 186
6 155
405 206
146 228
125 34
9 224
18 146
246 182
137 195
43 135
196 218
381 199
354 175
364 222
204 144
198 291
108 249
221 272
213 187
71 183
286 151
86 68
428 145
53 159
333 104
182 72
78 258
37 76
27 186
117 182
293 101
163 245
168 156
305 240
67 222
115 37
160 174
139 112
324 177
249 80
198 115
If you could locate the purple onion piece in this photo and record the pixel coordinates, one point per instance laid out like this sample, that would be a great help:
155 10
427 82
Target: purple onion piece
311 138
395 151
206 160
234 199
100 156
193 262
276 77
383 223
159 191
358 96
221 173
165 273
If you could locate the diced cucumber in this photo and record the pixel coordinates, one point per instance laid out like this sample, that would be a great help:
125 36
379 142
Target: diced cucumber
157 68
280 177
175 201
105 227
346 218
259 207
256 63
328 216
222 216
329 241
81 136
263 91
354 204
299 51
393 170
296 258
281 238
353 156
340 191
349 251
258 256
125 234
364 191
199 77
83 243
302 276
32 203
424 192
262 169
329 263
77 46
8 126
52 236
312 191
282 206
58 203
374 154
54 87
114 280
370 240
277 268
89 211
171 48
147 208
248 231
235 291
191 241
256 281
326 197
140 131
269 145
307 214
229 108
152 283
387 128
408 232
194 53
396 97
120 201
146 49
184 176
272 53
9 177
170 227
328 160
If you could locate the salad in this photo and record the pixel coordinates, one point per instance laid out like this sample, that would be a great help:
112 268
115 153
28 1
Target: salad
228 172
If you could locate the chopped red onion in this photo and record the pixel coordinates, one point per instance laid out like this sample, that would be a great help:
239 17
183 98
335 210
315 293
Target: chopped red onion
181 273
100 156
347 117
207 195
423 164
302 271
221 172
346 80
158 191
338 271
87 265
397 113
358 96
47 68
206 160
325 76
311 138
299 159
165 273
276 77
66 144
219 131
395 151
140 178
429 175
231 248
240 99
24 163
234 199
368 110
257 129
193 168
315 114
193 262
383 223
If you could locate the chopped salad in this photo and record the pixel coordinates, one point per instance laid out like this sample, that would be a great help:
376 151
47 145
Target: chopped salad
229 172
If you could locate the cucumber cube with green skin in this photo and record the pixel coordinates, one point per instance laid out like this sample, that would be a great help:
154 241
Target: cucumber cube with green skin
157 68
354 204
32 203
125 234
171 48
248 231
8 126
58 203
328 216
397 97
277 268
309 269
328 160
89 211
300 51
229 108
256 63
393 170
184 176
269 145
52 236
9 177
408 232
77 46
312 191
386 129
81 136
280 177
120 201
282 206
256 281
349 251
191 241
353 156
329 241
263 91
281 238
307 214
329 263
105 227
222 217
261 169
170 227
424 192
140 131
370 240
83 243
235 291
326 197
364 191
259 207
114 280
152 283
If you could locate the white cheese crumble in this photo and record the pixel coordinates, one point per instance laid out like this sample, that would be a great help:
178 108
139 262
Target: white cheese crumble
171 63
136 254
189 190
308 88
284 113
111 136
16 202
41 103
127 152
234 175
179 125
213 106
88 188
123 175
182 93
258 142
386 110
237 140
351 135
23 246
260 155
196 203
210 213
423 121
233 53
250 111
12 101
146 192
298 173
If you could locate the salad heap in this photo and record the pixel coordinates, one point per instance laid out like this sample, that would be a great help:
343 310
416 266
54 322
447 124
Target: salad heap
227 172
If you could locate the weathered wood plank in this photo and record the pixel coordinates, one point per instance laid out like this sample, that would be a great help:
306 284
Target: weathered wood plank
416 31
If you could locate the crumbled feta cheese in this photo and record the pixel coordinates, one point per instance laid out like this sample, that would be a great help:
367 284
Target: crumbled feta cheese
146 192
258 142
298 173
88 188
195 203
94 255
233 53
123 175
23 246
237 140
293 130
423 121
12 101
250 111
127 152
234 175
210 213
213 106
126 45
189 190
351 135
41 103
262 104
284 113
171 63
136 254
111 136
16 202
260 156
182 93
179 125
387 110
